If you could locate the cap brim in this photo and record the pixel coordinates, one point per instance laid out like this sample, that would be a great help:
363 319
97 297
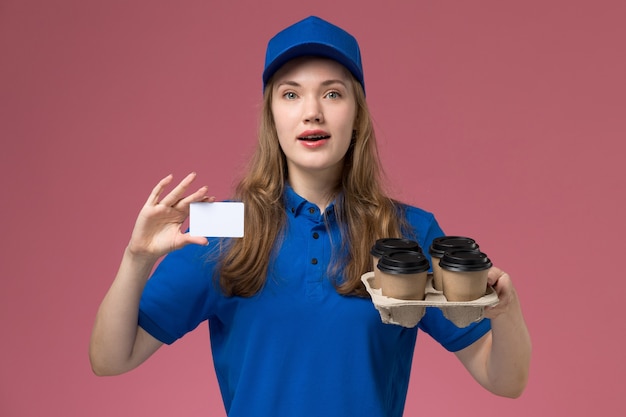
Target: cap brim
310 49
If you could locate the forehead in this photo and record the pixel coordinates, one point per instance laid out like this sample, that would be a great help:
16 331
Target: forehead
312 67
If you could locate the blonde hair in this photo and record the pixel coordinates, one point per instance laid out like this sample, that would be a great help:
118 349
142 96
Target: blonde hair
363 211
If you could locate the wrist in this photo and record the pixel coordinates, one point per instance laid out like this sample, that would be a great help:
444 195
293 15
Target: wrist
146 260
511 315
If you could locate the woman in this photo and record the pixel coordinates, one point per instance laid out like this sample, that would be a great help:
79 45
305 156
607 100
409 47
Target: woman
292 331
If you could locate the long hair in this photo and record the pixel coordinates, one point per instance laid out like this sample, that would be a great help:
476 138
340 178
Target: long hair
363 210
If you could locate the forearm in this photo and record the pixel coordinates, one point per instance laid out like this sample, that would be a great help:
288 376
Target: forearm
508 360
500 360
113 348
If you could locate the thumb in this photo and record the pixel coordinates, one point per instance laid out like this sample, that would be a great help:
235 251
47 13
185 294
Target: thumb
198 240
494 275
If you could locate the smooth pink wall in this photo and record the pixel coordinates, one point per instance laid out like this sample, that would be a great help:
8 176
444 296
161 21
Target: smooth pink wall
507 119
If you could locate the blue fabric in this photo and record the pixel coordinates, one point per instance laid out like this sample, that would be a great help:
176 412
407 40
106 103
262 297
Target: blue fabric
313 37
297 348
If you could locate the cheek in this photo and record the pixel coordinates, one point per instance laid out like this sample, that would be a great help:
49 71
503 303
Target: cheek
278 123
282 132
350 121
283 118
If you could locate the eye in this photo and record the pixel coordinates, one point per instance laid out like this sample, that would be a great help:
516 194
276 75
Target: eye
333 95
290 95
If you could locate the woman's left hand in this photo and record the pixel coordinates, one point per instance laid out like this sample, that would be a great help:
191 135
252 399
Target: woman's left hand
502 284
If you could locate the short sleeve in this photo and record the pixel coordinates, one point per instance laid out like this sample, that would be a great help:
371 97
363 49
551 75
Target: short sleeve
424 227
179 295
451 337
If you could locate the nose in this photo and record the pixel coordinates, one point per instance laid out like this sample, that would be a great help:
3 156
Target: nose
313 111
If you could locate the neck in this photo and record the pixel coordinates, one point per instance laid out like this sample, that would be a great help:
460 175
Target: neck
318 188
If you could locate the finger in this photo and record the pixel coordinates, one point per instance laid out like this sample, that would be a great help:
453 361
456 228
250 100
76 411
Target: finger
198 240
185 239
491 312
494 275
199 195
177 193
158 189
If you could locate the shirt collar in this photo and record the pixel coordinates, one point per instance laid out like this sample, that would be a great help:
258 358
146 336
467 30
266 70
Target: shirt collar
293 202
297 205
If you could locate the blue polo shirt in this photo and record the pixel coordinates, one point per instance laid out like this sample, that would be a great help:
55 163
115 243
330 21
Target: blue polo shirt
297 348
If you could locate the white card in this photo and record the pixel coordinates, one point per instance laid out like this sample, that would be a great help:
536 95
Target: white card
218 219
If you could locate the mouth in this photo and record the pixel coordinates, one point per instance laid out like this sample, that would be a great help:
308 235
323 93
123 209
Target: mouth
313 136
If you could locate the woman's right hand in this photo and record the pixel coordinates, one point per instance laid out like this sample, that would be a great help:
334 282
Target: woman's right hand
158 227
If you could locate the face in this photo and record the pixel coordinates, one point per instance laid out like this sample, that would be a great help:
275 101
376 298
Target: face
314 110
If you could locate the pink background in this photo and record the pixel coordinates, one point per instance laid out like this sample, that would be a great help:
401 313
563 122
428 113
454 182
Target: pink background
506 119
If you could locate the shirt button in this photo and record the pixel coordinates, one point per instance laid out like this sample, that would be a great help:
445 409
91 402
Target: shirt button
314 261
315 235
311 210
293 210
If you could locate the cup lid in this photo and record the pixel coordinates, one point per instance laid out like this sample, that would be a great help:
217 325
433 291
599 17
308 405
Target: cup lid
443 244
465 261
388 244
403 262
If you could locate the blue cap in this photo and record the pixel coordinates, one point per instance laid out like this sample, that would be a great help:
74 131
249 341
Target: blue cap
316 37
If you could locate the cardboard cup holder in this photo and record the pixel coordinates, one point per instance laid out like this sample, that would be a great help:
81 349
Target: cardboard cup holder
408 313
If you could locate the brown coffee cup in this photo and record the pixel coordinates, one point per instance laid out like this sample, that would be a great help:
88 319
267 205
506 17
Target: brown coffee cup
443 244
386 245
464 275
403 275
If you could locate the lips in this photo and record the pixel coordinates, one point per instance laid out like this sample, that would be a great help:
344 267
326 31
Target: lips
313 135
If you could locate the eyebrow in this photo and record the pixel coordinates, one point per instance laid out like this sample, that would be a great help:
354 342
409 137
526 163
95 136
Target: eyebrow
324 83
